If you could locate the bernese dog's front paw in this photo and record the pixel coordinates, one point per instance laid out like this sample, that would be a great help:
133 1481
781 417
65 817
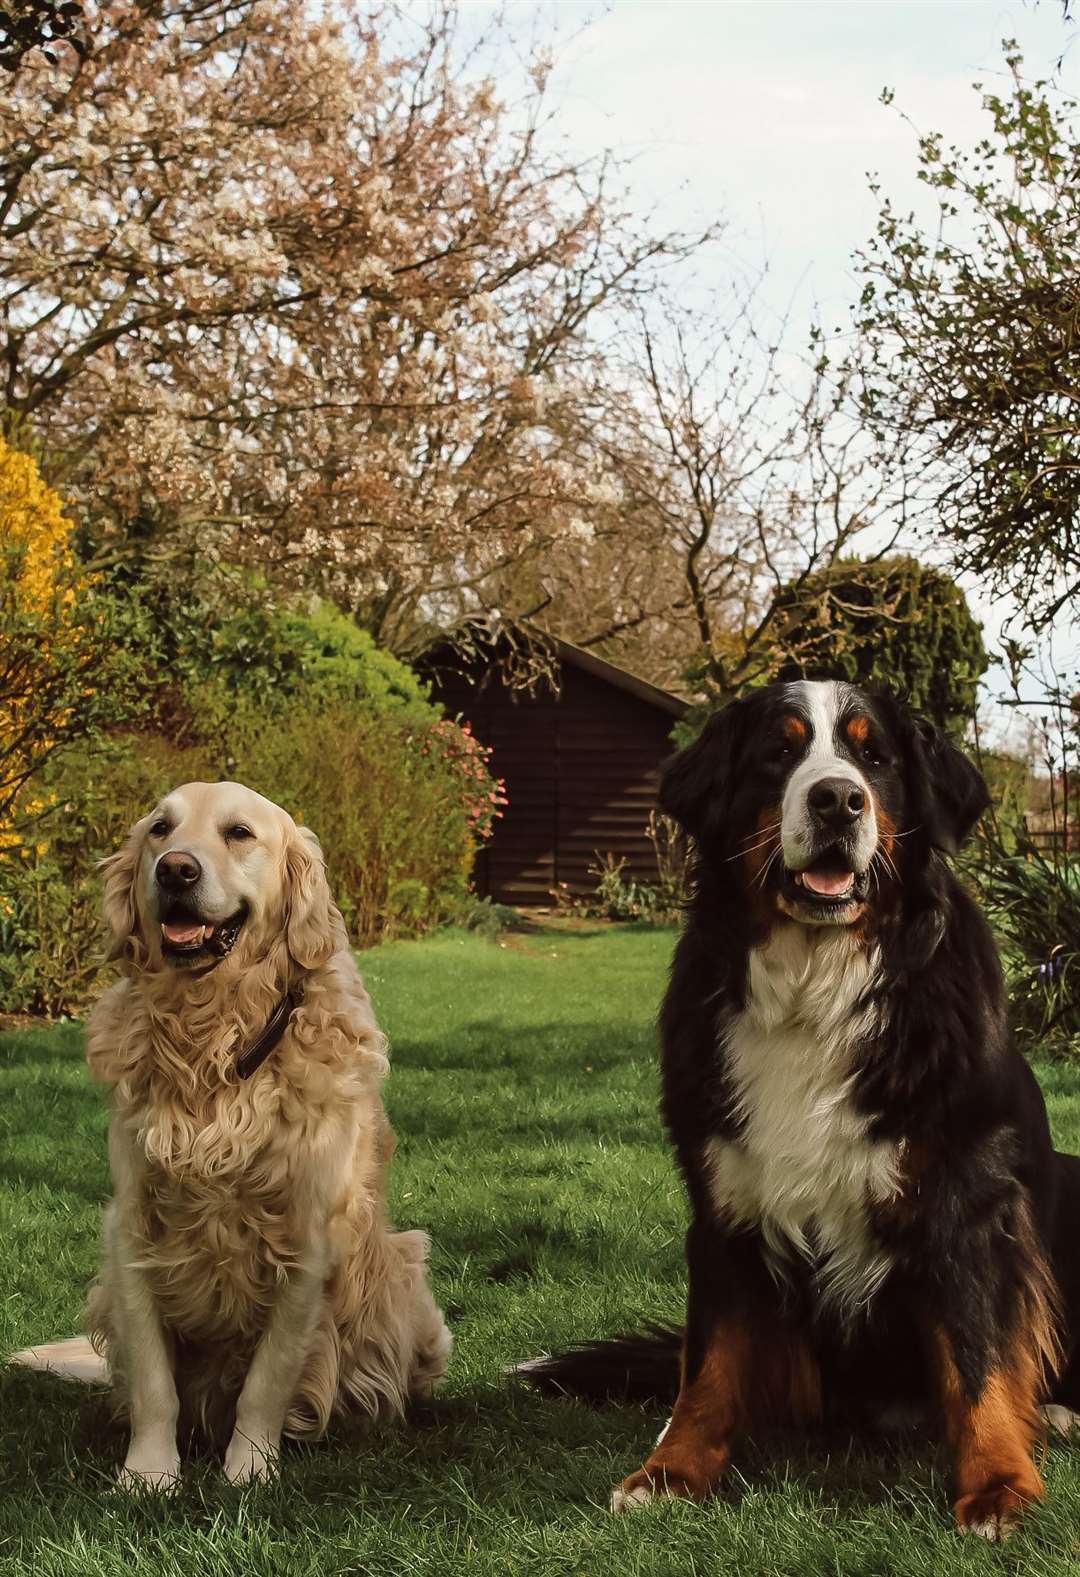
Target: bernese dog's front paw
994 1512
1062 1420
631 1493
646 1486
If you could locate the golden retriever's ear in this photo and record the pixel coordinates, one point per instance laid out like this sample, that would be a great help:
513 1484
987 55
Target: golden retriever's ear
313 926
121 871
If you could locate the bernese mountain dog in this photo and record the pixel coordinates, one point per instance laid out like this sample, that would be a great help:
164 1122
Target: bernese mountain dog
878 1216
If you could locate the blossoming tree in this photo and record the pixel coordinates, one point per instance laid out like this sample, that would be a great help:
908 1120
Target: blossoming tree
293 284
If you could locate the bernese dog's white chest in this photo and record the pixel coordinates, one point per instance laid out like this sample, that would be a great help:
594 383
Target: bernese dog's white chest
803 1170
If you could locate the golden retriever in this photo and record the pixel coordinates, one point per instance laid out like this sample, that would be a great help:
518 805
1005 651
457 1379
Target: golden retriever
250 1277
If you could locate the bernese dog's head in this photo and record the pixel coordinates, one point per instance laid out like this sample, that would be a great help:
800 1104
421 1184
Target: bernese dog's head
814 800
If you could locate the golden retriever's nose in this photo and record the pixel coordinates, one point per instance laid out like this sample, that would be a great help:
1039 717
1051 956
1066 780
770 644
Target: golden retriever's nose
177 871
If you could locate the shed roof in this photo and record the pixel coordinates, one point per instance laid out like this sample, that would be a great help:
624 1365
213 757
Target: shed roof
621 678
599 667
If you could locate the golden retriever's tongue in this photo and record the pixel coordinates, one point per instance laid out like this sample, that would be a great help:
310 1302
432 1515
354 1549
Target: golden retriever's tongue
830 884
180 933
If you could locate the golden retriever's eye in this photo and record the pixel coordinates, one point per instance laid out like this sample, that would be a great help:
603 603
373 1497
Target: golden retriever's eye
160 828
237 833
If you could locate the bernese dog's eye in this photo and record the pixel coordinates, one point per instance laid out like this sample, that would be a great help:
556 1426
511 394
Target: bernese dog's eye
160 828
238 833
872 755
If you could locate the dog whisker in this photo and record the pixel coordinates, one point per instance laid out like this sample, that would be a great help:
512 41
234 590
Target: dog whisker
746 846
753 849
881 858
763 873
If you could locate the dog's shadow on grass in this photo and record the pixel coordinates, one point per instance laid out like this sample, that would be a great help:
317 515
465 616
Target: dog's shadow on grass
498 1443
59 1142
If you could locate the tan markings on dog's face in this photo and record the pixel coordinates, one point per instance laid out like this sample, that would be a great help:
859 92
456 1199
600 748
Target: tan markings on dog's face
857 729
761 852
795 730
763 843
886 828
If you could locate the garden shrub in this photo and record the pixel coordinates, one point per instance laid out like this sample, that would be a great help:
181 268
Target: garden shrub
484 917
272 657
50 898
338 661
621 897
300 704
893 622
396 818
67 671
1033 904
660 902
399 806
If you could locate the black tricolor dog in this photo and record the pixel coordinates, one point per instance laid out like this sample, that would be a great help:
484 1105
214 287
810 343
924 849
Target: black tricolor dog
878 1214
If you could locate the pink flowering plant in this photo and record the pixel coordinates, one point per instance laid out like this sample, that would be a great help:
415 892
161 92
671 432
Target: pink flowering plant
482 796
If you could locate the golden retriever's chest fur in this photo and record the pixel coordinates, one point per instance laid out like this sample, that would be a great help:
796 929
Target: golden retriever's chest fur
214 1255
225 1169
223 1219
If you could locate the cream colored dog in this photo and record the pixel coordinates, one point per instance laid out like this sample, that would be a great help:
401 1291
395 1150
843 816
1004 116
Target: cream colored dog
249 1267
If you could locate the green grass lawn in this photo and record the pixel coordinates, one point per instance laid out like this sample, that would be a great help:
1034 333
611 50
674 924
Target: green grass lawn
524 1097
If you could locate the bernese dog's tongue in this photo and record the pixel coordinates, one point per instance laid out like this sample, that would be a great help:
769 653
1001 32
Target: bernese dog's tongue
829 883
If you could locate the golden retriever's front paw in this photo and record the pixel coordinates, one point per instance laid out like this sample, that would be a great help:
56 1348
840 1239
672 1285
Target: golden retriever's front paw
149 1469
252 1458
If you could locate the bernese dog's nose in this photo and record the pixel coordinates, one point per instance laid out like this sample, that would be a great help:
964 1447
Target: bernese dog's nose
177 871
837 801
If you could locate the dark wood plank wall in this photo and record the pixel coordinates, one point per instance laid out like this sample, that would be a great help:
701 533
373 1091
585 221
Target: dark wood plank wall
581 770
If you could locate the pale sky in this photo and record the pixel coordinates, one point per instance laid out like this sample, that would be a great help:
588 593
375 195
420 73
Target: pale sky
767 114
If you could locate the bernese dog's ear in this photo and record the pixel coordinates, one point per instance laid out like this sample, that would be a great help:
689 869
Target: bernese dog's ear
951 788
695 784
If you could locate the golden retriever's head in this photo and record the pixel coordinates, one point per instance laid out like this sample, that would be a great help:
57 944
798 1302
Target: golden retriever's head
216 867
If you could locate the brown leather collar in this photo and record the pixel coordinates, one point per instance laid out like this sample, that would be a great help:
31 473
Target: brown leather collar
253 1056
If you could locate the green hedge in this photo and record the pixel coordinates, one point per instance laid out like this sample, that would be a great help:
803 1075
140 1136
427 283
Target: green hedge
305 709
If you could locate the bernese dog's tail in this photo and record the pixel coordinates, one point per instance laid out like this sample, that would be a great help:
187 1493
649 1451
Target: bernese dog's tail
641 1367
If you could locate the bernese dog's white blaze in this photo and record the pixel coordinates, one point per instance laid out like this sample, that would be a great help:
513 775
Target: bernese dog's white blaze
827 855
801 1168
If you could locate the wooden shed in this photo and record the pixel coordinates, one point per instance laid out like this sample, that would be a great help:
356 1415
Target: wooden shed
580 754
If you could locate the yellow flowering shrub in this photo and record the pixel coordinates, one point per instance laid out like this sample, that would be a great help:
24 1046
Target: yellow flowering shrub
36 563
68 667
34 532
